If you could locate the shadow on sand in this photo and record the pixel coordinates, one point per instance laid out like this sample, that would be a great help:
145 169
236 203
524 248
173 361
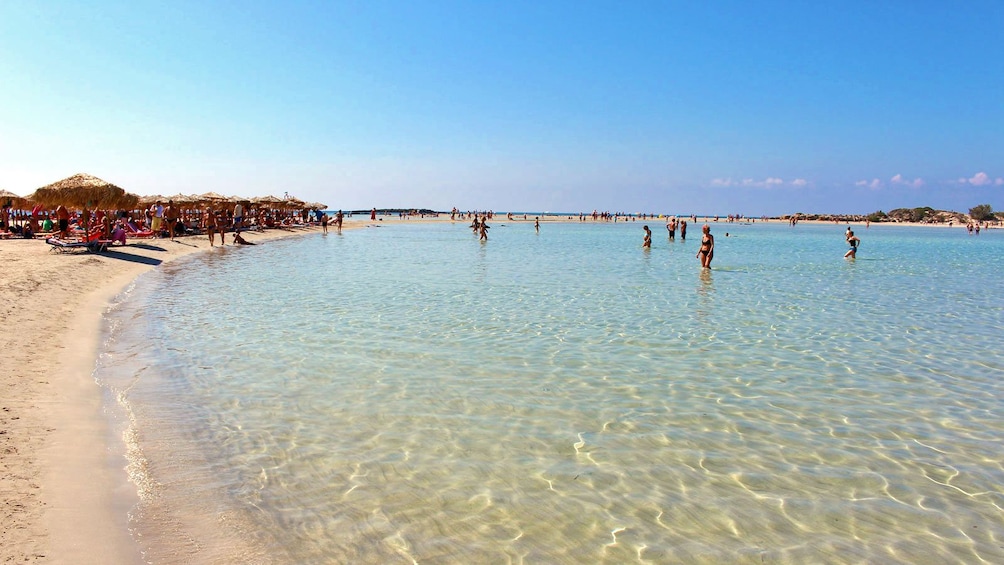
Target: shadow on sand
147 246
123 256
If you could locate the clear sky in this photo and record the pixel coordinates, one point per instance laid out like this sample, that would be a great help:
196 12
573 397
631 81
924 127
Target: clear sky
753 107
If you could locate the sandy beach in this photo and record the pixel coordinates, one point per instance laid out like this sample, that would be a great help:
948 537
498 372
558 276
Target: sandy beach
58 480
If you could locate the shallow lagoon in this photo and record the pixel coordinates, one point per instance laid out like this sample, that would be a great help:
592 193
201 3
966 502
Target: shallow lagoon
408 394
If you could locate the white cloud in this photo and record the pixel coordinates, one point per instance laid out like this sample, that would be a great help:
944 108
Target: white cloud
979 179
769 182
915 183
873 184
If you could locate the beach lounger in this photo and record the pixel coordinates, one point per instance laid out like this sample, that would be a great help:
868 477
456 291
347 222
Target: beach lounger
132 230
93 246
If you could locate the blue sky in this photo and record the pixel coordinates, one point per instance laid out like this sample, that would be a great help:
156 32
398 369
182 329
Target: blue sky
666 107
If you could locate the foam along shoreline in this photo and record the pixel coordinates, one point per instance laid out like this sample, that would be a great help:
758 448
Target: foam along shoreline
61 478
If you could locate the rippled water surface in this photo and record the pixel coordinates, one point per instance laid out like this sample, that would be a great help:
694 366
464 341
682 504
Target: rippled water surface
407 394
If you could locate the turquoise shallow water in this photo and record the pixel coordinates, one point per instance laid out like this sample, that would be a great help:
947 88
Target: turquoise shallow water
407 394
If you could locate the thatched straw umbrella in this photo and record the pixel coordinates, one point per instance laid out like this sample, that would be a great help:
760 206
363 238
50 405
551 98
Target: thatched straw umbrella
147 201
84 192
269 201
212 198
8 198
183 200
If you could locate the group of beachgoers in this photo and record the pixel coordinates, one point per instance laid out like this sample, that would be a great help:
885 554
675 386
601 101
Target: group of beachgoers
166 220
325 220
705 253
707 250
480 226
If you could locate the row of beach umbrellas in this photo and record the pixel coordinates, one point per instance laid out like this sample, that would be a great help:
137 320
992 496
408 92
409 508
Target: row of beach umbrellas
85 191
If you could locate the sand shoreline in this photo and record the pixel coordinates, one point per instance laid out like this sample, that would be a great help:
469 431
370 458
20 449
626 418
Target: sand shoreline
60 482
59 479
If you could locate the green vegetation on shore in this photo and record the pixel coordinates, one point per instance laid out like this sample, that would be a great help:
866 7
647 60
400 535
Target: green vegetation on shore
925 215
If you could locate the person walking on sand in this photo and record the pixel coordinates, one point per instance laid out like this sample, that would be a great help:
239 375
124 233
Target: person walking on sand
171 215
647 242
221 225
853 241
157 211
707 251
209 224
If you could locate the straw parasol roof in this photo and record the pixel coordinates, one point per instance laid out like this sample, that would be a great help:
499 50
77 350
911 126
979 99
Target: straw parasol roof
146 201
84 191
183 199
16 201
212 198
267 200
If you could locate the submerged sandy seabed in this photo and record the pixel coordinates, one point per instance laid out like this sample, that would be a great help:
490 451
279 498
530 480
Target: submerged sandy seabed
57 486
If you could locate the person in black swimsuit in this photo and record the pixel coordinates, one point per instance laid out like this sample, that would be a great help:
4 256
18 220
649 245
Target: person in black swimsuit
707 251
852 241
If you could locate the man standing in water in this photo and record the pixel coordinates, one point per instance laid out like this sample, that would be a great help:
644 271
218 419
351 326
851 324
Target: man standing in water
683 230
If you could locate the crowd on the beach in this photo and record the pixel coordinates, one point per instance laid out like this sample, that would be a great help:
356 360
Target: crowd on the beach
159 220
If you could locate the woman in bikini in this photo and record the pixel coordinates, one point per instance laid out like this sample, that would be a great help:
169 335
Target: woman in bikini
707 251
